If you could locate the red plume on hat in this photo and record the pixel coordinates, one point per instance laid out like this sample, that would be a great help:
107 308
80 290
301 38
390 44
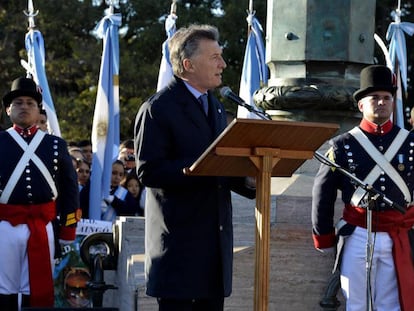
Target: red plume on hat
376 78
23 87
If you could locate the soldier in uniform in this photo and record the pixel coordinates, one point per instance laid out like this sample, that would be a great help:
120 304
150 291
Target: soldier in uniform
382 155
38 188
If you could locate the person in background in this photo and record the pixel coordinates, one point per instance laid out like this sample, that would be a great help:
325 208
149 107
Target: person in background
189 232
76 289
42 121
76 153
86 148
127 155
38 188
120 202
380 154
133 185
83 170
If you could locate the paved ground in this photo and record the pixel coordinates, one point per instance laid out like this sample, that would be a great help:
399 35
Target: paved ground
298 274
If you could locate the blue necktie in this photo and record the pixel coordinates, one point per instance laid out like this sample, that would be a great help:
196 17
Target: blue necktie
203 99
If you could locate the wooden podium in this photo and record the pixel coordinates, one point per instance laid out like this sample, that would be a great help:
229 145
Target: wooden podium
262 148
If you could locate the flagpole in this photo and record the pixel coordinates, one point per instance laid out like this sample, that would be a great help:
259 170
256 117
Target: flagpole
30 13
35 67
105 126
251 13
165 72
173 7
254 71
398 54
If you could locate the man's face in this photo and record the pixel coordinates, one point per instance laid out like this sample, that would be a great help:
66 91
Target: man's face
87 152
42 122
204 69
377 106
23 111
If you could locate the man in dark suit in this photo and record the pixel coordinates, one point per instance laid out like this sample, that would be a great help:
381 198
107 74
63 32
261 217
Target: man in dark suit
189 235
38 187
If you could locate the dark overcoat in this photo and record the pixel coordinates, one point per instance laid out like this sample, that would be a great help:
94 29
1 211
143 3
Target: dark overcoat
189 235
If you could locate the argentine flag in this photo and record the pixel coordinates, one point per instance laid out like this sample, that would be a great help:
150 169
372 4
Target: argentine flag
105 127
254 74
36 66
165 74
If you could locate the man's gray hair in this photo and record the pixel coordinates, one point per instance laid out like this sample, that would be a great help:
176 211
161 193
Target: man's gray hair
185 42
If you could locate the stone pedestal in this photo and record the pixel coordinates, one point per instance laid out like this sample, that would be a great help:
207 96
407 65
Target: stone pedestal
129 276
315 50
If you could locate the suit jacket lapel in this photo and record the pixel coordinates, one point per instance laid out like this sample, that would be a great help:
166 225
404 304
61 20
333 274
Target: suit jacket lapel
190 106
216 121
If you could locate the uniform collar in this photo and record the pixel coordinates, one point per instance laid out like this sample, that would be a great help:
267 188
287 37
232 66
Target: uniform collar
373 128
27 132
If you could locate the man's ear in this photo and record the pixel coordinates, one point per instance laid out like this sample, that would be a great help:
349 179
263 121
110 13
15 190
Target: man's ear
360 105
188 65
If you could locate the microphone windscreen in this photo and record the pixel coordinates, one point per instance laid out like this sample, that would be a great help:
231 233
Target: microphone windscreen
225 91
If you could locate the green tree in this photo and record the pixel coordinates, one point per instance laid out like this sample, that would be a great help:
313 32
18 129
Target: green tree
73 54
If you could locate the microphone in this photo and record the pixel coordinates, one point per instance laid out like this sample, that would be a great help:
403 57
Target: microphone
226 92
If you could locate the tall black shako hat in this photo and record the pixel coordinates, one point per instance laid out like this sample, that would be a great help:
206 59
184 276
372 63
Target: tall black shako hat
23 87
375 78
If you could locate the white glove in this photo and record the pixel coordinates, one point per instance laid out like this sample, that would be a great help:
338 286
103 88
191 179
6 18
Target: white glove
109 199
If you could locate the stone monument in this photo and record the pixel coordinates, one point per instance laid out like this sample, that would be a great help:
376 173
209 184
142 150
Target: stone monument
315 50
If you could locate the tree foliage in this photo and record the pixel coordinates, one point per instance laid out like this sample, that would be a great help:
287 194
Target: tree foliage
73 54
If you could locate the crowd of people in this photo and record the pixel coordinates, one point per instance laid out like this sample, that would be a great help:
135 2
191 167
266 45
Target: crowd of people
127 194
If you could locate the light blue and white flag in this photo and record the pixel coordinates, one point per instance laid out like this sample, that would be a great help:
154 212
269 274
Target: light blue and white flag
105 127
166 73
398 55
255 72
36 67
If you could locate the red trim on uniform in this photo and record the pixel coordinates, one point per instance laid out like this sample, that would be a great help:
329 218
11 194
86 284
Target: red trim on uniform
36 216
372 127
397 225
324 241
67 233
28 132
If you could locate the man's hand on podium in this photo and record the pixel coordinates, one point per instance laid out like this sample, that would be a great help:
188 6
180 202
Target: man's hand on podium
250 182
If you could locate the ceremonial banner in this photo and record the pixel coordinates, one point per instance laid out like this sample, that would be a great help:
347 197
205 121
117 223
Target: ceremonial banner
255 72
105 127
165 74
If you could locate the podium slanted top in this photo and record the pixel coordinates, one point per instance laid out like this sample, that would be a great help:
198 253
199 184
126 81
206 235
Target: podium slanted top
290 143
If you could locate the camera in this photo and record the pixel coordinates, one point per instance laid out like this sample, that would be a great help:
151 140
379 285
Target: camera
130 157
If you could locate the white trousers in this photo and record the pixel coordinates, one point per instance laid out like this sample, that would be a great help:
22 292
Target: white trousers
384 289
14 267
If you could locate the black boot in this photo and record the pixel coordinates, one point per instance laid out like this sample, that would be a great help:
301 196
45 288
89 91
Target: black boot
8 302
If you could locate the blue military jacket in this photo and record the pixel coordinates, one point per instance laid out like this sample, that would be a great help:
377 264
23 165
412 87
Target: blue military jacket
32 186
350 155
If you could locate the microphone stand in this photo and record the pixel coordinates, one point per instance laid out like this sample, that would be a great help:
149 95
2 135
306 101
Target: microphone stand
373 196
260 113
